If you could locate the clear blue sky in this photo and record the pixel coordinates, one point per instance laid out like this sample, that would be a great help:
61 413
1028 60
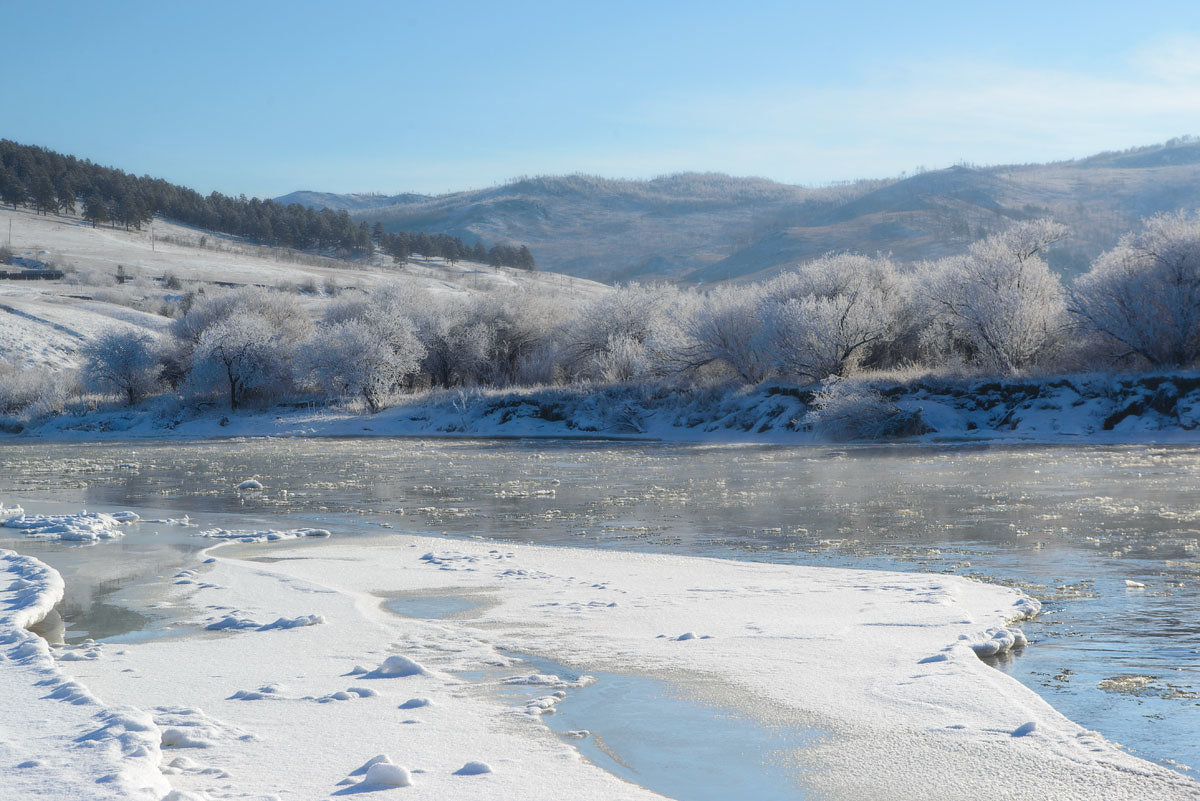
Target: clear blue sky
263 97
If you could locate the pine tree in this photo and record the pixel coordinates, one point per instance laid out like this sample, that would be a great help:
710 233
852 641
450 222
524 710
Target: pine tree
11 189
94 210
42 192
525 259
66 196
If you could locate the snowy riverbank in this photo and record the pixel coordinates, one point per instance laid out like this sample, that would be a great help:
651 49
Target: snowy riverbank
1100 408
880 666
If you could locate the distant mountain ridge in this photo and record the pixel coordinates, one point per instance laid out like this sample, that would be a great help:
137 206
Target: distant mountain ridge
703 227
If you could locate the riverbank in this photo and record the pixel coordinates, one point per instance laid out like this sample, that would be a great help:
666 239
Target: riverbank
1095 407
315 676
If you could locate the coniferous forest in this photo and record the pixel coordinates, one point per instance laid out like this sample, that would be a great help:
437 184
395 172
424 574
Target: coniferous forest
51 182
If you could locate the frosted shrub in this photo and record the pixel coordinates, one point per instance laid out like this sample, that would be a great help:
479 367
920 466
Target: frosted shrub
623 359
122 361
847 410
726 328
456 347
35 391
1142 298
824 318
350 359
520 324
1001 300
634 317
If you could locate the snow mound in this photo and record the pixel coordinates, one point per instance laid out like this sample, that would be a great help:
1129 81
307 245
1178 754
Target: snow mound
232 622
269 535
294 622
79 527
415 703
473 769
385 774
397 667
999 640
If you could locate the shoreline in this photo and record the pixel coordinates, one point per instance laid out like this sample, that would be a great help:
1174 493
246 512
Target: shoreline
1101 409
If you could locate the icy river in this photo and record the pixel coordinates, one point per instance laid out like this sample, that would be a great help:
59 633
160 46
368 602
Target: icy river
1106 537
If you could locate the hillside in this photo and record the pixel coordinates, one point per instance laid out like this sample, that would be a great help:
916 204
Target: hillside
706 227
45 322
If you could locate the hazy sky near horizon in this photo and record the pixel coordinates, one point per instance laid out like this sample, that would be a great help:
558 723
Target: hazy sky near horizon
268 96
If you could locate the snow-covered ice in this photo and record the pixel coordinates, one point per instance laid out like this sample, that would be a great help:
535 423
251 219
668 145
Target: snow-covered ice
885 665
79 527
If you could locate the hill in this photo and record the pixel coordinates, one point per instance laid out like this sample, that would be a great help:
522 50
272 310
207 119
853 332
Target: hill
45 322
710 227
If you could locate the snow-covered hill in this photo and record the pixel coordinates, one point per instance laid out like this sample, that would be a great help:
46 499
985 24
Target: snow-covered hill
45 322
708 228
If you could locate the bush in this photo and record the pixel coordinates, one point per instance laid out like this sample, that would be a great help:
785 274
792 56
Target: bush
35 391
122 361
1142 297
847 410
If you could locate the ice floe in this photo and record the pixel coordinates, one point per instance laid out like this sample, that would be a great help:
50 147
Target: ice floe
268 535
78 527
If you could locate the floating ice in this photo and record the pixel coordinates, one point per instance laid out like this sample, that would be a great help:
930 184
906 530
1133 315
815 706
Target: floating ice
79 527
269 535
550 680
1134 585
250 484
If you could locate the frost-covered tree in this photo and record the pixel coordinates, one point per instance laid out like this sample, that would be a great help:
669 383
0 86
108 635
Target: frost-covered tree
1000 299
122 361
824 318
1143 296
350 359
725 328
281 310
456 346
625 333
285 322
243 356
520 326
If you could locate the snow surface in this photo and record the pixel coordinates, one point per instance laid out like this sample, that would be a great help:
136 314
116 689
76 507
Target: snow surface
884 664
57 740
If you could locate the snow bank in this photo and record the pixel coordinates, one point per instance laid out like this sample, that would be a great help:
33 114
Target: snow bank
79 527
1113 408
57 740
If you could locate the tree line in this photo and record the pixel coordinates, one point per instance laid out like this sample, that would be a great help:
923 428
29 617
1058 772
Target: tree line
50 183
995 310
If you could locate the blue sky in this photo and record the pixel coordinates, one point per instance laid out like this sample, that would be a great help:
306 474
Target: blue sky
263 97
